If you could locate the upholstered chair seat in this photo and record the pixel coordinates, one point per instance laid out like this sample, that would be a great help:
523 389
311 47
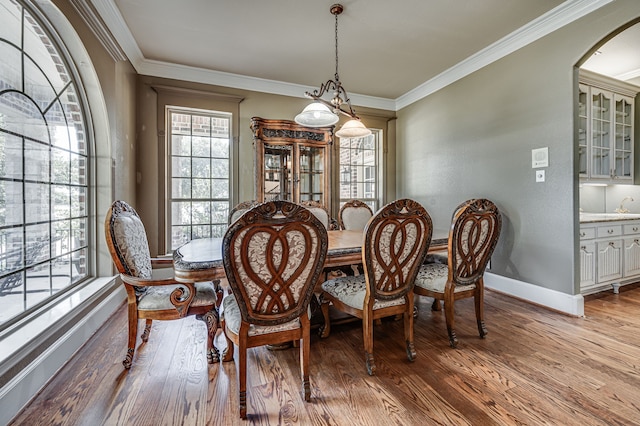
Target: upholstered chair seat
433 277
351 290
232 317
158 298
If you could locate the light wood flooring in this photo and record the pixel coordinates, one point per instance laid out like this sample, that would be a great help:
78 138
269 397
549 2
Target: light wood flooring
535 367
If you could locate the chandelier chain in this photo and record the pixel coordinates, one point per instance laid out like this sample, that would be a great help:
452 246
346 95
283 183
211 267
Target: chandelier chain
336 16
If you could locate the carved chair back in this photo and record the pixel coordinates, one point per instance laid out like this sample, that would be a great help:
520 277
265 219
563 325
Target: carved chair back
127 241
273 256
354 215
472 239
396 242
240 208
318 211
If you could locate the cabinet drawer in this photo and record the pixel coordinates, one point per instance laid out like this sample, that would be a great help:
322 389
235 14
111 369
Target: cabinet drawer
587 233
609 231
632 228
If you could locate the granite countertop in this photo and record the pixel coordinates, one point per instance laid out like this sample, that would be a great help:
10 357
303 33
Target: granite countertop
607 217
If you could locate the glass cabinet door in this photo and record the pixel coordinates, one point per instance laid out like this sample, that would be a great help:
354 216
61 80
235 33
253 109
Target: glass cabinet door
600 133
277 172
583 95
311 173
623 152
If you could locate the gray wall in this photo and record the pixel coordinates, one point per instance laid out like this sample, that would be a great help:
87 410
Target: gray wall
474 139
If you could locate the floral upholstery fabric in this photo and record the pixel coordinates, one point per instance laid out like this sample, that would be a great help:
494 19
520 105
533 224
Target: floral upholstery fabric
434 276
262 272
131 240
394 253
157 297
351 290
232 317
355 218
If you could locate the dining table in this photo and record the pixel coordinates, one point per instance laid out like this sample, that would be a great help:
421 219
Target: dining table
201 259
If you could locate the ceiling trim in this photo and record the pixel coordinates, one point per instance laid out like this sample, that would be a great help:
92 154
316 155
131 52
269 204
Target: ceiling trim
629 75
556 18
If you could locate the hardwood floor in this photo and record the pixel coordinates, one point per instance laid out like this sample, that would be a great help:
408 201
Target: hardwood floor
536 367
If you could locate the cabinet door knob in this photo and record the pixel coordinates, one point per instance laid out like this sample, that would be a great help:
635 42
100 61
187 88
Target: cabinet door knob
635 229
582 234
635 241
583 248
612 244
609 231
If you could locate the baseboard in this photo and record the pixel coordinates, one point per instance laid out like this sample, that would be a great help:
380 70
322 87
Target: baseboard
18 391
552 299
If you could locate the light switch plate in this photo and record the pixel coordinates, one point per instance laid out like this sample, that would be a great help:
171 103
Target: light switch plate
539 175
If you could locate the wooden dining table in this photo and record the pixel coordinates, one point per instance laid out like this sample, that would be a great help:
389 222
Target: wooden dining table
201 259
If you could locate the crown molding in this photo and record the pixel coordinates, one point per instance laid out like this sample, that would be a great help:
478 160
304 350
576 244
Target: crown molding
99 29
564 14
556 18
629 75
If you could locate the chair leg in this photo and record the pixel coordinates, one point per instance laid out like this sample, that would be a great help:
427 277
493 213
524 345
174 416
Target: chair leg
211 321
436 305
227 354
408 328
305 350
147 330
133 334
326 328
449 315
367 332
242 378
479 302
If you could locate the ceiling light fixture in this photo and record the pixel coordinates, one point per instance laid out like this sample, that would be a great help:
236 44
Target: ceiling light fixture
323 113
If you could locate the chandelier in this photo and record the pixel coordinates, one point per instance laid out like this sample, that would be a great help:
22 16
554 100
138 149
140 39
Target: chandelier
324 112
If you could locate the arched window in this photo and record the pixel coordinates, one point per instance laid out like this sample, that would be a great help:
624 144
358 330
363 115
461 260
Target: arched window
44 162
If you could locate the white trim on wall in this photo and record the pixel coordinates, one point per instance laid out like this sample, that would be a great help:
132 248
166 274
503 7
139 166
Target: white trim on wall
552 299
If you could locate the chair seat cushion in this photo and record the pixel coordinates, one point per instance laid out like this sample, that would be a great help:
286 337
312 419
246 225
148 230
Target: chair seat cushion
351 290
434 276
233 318
156 298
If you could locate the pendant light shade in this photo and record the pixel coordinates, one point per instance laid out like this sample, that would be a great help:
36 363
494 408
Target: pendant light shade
353 129
316 114
323 112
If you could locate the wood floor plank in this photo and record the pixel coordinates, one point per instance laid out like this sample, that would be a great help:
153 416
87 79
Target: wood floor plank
535 367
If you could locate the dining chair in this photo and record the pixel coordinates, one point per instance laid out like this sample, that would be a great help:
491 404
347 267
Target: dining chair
354 215
473 236
320 212
273 256
152 292
395 244
240 208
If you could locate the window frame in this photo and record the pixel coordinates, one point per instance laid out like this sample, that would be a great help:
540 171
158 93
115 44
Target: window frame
376 201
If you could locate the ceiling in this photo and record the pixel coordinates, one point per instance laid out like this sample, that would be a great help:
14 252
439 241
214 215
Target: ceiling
390 53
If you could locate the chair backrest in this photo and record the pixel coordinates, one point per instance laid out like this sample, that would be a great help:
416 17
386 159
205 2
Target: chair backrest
127 240
472 239
354 215
240 208
395 245
318 211
273 257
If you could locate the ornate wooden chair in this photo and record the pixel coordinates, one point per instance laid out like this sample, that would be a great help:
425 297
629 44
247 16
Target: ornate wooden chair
240 208
273 256
152 293
321 213
473 236
395 244
354 215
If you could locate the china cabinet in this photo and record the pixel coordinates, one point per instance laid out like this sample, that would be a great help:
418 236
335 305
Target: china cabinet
292 162
605 129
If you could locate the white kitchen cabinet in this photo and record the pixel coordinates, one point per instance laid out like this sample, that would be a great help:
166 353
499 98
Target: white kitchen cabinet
605 129
609 255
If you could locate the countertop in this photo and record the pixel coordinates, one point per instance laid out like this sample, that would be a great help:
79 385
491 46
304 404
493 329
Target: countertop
607 217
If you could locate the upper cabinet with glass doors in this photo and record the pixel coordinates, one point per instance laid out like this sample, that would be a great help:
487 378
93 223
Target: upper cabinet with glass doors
292 161
605 133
